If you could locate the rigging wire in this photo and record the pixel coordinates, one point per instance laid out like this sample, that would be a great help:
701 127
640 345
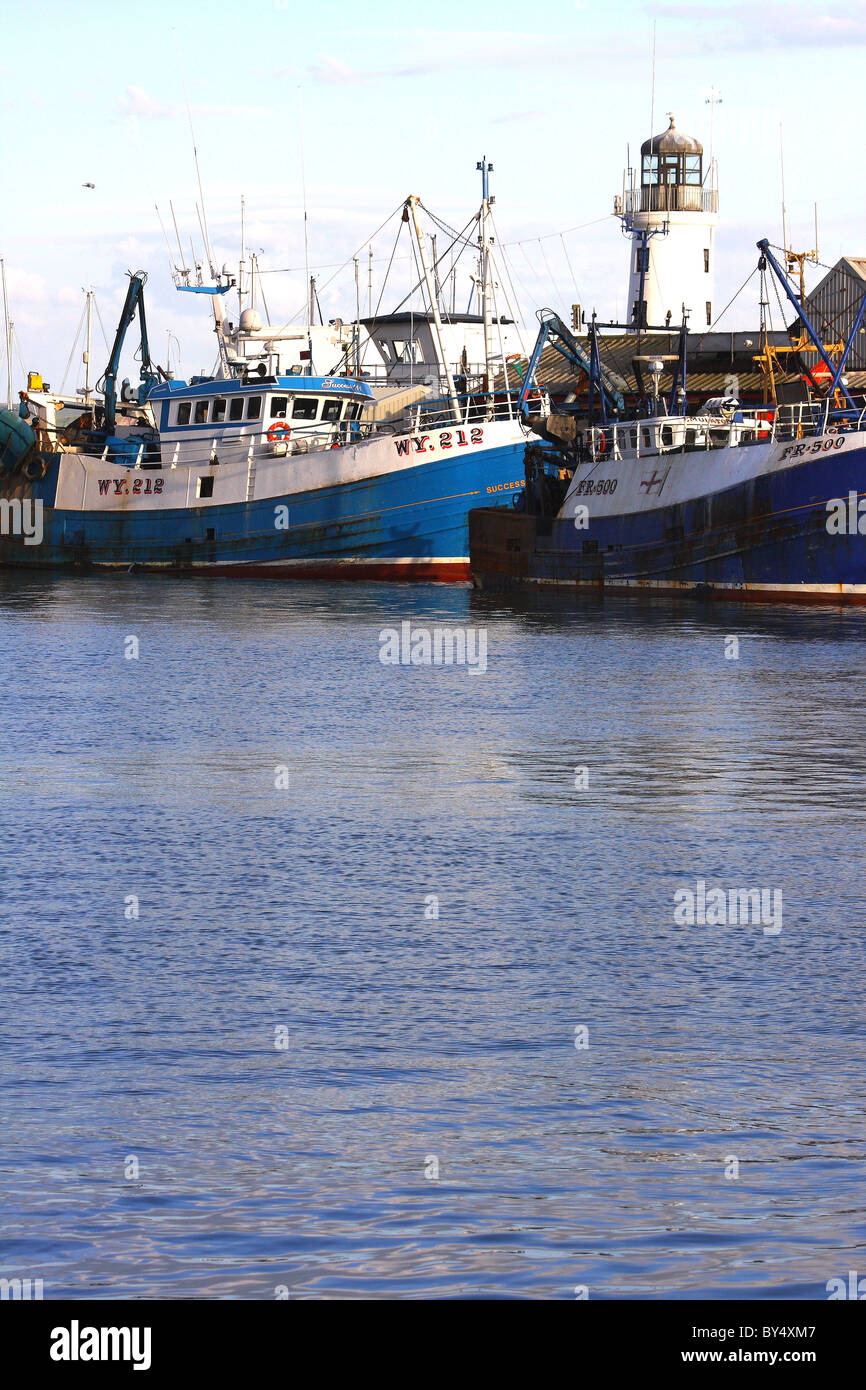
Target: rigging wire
581 226
749 277
349 260
556 289
506 264
74 346
101 324
571 270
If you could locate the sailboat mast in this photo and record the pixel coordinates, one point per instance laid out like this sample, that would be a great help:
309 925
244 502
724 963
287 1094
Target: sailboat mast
412 205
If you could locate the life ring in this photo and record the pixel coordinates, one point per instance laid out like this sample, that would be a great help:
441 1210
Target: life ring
279 432
602 443
35 469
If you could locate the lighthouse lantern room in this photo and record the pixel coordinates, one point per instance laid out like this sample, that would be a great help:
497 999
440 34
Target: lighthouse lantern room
670 219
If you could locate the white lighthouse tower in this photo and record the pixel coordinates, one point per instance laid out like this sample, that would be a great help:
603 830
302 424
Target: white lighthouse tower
670 220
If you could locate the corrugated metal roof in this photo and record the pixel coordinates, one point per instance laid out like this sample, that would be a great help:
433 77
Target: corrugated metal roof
708 372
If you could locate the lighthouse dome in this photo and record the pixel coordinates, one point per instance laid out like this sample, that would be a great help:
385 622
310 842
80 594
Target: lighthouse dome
672 141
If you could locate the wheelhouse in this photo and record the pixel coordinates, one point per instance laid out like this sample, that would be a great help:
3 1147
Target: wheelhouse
290 414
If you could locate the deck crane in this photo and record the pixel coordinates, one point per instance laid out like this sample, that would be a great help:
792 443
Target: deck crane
149 373
554 333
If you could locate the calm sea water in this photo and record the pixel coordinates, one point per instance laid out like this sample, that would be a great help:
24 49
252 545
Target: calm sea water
250 1086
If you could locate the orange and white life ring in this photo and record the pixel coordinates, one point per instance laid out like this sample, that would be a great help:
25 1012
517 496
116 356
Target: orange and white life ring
279 432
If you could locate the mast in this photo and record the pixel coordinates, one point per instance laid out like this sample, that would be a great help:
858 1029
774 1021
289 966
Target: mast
486 170
412 206
8 328
88 348
242 267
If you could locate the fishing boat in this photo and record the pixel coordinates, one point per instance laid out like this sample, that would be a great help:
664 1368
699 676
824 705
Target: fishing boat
283 462
760 503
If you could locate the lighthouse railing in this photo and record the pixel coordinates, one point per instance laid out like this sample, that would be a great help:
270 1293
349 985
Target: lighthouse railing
674 197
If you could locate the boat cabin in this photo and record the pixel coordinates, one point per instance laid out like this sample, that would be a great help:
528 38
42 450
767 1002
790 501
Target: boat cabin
275 415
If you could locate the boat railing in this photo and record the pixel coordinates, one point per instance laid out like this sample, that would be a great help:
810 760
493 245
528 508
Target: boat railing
687 434
804 418
474 407
138 452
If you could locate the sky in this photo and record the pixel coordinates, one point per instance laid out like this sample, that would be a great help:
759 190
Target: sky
349 108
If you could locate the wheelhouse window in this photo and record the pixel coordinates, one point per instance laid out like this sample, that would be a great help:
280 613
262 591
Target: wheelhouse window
236 409
407 352
254 407
183 413
332 410
201 412
279 407
667 434
353 410
305 408
218 413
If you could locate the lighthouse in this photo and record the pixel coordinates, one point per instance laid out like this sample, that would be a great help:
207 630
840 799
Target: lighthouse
670 219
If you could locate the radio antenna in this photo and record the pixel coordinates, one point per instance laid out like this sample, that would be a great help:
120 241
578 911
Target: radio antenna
782 171
304 195
205 233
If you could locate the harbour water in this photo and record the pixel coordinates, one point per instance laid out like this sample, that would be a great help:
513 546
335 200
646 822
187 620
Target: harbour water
244 1058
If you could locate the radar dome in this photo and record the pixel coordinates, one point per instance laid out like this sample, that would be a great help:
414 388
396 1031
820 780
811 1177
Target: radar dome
251 321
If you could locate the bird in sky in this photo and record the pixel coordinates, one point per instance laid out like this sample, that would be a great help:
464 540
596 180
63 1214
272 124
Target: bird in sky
88 185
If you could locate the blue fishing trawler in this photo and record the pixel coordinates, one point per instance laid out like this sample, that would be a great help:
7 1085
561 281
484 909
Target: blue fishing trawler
270 466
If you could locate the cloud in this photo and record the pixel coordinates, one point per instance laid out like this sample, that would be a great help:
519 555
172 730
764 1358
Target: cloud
773 25
517 116
137 102
465 51
140 104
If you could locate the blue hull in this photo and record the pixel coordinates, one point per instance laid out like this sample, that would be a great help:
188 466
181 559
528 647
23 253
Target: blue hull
766 538
411 523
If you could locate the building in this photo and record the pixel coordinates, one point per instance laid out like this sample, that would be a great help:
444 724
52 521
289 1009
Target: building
833 304
670 219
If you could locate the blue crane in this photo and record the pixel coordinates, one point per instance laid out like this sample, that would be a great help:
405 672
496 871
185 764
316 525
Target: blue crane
554 332
149 376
